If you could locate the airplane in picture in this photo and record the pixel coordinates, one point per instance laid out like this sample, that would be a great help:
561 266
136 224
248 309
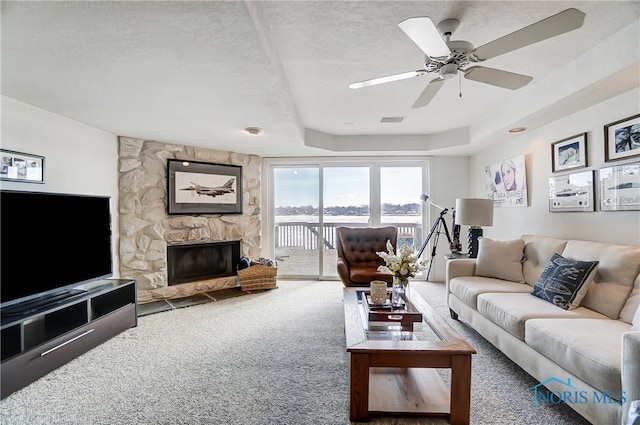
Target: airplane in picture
212 191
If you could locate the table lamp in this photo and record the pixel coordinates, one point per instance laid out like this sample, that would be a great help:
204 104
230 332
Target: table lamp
474 213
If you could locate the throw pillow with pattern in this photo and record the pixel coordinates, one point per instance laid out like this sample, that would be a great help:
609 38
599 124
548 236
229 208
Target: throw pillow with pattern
564 282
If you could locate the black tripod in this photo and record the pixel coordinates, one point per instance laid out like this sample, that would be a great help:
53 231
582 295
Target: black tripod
435 232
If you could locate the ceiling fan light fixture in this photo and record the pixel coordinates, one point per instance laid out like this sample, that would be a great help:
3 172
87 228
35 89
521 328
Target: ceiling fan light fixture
253 130
449 71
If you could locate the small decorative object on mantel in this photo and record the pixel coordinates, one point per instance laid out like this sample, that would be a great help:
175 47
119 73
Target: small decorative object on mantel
21 167
620 187
622 139
402 265
569 153
572 192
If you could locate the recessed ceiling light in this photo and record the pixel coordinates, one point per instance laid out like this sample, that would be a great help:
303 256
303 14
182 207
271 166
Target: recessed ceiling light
253 130
517 129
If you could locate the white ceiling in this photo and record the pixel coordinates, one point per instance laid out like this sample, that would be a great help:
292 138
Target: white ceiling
198 73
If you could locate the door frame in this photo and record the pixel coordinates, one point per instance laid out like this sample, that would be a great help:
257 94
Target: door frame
374 164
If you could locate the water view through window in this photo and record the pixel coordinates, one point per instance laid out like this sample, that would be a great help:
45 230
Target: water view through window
311 202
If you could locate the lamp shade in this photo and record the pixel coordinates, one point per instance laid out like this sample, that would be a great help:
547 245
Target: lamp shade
474 212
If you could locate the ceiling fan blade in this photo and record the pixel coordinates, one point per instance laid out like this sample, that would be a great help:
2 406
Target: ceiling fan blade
552 26
387 79
426 36
497 77
428 93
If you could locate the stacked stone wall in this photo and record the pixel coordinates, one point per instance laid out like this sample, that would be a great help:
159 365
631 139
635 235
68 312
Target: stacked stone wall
146 229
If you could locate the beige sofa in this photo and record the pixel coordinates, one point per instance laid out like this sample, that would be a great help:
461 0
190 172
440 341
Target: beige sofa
588 355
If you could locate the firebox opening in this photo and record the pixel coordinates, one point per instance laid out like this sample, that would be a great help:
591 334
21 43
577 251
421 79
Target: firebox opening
201 261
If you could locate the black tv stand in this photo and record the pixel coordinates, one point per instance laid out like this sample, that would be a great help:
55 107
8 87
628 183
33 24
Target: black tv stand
41 336
44 303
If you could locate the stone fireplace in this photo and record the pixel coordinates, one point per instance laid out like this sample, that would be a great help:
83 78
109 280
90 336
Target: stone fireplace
200 261
147 232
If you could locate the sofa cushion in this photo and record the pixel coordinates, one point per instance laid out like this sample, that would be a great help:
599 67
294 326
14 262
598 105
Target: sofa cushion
564 282
511 311
500 259
537 253
618 268
632 304
591 349
469 287
636 320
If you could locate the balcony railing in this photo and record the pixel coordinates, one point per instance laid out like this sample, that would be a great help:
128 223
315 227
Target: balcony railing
307 235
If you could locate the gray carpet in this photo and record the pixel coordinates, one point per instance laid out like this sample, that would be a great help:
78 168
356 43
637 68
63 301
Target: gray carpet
274 357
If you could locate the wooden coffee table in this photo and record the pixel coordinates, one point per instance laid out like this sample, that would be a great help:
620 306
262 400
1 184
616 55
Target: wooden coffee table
393 369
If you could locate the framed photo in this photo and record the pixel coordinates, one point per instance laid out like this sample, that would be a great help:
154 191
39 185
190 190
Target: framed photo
572 192
620 187
203 188
569 153
622 139
506 183
21 167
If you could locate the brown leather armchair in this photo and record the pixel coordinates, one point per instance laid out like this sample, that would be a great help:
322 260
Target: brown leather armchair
357 259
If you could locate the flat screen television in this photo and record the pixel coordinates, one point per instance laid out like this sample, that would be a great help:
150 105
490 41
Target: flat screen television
51 243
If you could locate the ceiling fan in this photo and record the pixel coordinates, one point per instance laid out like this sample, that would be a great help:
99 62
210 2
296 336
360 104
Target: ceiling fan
447 57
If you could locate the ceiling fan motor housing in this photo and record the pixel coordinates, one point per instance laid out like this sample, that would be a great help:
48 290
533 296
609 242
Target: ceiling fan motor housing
459 56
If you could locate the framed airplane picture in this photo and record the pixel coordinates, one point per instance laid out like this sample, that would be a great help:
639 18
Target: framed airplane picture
203 188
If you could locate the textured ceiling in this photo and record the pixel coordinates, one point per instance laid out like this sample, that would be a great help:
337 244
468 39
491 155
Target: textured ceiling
198 73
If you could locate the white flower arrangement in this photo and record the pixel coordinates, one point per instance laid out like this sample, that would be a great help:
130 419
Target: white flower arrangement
403 264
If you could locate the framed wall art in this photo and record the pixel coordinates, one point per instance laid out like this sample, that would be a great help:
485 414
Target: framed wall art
619 187
506 183
622 139
21 167
572 192
569 154
203 188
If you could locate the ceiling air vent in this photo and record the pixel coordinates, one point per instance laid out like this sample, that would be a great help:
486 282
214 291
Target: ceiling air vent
391 119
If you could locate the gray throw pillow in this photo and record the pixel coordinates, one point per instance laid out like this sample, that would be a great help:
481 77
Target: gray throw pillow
564 282
500 259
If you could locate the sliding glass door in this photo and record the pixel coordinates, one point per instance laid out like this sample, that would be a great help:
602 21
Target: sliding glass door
296 199
310 201
346 199
400 190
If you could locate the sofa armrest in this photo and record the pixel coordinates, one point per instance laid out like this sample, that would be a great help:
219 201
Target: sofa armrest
630 370
343 272
459 267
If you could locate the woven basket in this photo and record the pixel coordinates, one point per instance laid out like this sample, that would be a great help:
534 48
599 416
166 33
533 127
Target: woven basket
257 277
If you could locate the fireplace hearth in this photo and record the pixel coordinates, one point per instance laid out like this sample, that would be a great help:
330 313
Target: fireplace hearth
201 261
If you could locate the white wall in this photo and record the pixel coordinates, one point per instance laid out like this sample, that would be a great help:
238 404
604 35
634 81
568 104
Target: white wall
79 159
621 227
448 179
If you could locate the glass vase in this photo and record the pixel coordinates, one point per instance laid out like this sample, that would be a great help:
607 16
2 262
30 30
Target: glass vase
399 291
